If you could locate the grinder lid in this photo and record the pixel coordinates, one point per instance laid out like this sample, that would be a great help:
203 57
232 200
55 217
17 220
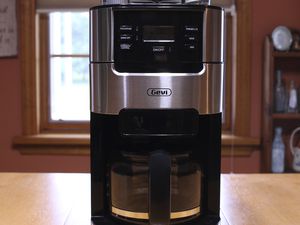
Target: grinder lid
198 2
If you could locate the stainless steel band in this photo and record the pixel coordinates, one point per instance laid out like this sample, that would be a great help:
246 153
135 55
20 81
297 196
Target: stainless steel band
102 39
111 92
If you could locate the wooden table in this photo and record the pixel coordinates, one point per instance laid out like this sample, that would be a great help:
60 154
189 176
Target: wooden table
64 199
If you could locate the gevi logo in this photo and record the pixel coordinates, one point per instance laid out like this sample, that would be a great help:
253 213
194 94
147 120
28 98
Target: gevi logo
159 92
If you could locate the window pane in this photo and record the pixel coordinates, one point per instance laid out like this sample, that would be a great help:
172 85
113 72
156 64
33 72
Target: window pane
69 88
69 33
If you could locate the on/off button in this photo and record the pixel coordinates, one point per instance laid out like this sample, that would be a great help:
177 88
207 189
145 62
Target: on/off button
126 37
158 49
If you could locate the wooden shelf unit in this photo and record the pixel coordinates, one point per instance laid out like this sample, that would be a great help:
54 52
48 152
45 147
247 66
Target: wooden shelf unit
286 116
288 54
289 63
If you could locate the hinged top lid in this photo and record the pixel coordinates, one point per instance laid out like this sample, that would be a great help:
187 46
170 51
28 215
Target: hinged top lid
198 2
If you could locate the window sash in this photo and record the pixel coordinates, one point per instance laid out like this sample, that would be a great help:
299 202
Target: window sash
46 124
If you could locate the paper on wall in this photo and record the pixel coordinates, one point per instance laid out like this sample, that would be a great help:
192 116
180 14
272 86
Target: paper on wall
8 28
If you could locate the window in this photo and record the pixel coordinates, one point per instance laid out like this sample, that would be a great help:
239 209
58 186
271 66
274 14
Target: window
69 66
63 71
44 127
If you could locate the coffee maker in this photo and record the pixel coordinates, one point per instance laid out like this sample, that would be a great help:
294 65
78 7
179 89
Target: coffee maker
156 84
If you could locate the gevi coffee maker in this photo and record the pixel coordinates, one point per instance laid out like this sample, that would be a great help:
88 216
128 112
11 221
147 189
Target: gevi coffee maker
156 86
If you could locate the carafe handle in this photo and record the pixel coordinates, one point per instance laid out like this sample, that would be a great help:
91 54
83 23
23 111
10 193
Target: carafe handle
159 188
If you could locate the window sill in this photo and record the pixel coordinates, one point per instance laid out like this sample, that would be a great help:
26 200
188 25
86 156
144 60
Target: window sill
79 144
239 146
53 144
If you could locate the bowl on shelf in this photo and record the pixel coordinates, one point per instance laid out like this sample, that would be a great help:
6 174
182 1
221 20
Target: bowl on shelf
282 38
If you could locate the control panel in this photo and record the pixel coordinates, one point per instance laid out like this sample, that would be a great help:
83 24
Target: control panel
158 40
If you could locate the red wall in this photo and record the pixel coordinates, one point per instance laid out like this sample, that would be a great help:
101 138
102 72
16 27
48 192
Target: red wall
10 126
267 14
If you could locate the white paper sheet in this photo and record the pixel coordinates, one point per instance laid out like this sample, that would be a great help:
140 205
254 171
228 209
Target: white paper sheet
8 28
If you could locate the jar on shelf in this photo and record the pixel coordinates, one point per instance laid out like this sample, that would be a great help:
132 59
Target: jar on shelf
279 93
278 150
293 98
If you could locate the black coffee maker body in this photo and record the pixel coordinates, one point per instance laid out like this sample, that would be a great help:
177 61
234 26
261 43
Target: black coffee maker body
156 87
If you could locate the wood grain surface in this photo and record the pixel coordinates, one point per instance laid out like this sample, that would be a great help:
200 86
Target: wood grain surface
44 199
264 199
64 199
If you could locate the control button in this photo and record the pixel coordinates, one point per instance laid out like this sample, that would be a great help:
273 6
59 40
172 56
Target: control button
189 47
126 37
158 48
190 38
191 28
126 28
125 46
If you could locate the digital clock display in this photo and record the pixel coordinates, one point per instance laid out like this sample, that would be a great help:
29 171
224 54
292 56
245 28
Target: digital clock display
158 33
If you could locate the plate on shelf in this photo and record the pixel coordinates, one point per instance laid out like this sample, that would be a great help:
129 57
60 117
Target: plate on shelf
282 38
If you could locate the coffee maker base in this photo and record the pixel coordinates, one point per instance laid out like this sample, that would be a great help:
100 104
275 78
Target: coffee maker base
201 220
205 147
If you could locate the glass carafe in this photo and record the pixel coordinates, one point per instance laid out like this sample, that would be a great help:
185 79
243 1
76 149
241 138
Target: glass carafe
130 187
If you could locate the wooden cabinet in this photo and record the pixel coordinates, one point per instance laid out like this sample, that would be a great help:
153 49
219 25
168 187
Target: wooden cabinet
289 63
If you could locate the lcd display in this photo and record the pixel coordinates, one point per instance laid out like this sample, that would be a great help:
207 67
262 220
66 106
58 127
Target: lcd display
158 33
